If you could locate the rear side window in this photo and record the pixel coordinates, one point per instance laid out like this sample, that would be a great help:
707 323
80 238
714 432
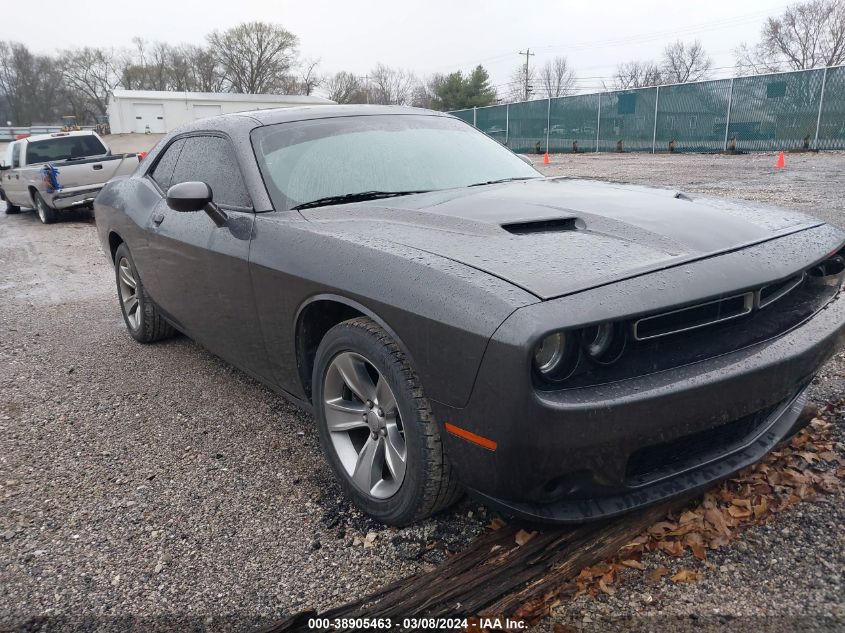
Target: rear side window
211 159
16 155
162 173
63 148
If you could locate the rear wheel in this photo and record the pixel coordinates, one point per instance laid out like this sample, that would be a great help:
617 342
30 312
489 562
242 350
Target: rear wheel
376 426
46 213
140 314
11 209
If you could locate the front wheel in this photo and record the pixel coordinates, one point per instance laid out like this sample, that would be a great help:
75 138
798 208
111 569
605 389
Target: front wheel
46 213
376 426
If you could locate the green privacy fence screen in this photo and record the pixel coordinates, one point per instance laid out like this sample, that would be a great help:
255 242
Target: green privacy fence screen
794 110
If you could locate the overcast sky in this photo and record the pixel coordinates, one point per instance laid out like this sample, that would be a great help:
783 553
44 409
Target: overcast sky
422 36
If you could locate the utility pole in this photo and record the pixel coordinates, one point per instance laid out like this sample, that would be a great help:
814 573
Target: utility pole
366 81
527 89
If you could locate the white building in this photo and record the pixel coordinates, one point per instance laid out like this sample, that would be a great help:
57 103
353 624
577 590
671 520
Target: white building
158 112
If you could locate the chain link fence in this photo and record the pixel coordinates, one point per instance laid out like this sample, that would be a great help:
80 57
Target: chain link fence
793 110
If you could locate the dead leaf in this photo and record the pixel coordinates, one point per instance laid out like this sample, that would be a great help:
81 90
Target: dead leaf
685 575
689 517
715 517
811 458
660 528
655 575
496 524
564 628
698 551
673 548
739 513
522 537
635 564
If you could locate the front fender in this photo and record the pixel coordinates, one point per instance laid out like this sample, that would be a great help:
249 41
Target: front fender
441 312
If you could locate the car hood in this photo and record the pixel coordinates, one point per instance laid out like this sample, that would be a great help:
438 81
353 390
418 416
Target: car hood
553 237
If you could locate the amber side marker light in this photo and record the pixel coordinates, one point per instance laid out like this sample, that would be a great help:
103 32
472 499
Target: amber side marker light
469 436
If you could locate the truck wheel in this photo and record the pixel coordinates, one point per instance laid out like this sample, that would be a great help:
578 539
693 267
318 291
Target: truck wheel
46 213
376 426
140 314
11 209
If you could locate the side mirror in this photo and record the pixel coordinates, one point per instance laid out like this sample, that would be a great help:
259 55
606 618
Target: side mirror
3 167
186 197
189 196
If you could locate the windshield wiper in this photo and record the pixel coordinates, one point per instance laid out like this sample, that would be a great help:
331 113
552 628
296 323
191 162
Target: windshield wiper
493 182
355 197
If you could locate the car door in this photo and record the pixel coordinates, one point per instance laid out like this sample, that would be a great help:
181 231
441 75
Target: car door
201 271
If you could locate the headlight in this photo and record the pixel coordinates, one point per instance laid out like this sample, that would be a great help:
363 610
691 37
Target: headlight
561 355
604 343
557 356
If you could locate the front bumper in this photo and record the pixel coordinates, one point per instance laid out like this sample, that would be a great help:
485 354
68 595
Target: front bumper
577 454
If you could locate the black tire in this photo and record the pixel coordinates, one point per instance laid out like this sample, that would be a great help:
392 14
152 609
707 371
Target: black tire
429 483
11 209
149 326
46 213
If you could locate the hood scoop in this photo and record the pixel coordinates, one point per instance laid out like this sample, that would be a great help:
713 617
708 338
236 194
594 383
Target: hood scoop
555 225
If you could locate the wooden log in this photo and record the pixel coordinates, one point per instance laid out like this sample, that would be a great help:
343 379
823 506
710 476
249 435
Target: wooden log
494 576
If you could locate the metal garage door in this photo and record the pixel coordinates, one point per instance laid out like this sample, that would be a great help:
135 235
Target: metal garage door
206 110
149 115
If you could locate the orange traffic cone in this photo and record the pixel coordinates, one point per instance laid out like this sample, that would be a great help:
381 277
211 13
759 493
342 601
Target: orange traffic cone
781 164
546 160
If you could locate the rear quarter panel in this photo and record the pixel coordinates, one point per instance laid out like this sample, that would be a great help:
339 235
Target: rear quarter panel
123 207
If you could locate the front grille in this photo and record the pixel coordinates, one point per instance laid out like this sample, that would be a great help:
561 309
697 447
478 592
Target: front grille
693 317
771 293
659 460
779 308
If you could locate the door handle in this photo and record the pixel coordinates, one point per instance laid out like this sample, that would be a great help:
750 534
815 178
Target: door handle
158 218
98 166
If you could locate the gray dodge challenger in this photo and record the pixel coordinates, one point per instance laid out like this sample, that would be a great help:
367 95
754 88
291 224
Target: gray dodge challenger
562 349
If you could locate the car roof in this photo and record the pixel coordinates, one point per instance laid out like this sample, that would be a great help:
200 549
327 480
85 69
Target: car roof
272 116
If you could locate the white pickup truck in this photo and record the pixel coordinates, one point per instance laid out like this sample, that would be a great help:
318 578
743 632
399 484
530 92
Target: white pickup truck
54 172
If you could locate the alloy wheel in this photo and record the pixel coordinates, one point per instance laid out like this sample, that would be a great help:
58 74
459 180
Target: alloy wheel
128 289
42 212
364 425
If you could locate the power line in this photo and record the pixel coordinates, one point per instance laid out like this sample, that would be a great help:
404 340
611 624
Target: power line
639 38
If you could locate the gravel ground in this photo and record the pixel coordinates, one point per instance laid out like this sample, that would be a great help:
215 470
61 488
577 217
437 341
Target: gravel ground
159 482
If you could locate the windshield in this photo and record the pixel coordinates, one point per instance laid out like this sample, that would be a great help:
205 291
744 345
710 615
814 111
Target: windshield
309 160
64 148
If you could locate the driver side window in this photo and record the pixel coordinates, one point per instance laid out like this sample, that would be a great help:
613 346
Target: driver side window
162 173
16 155
211 159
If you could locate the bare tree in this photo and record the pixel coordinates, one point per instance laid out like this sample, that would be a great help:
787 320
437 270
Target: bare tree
91 73
206 73
31 86
685 62
256 57
521 78
390 86
806 35
344 87
636 74
557 79
309 78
